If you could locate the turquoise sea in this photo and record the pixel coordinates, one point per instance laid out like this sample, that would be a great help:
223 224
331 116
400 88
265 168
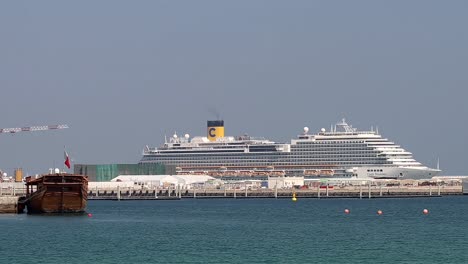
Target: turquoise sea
244 231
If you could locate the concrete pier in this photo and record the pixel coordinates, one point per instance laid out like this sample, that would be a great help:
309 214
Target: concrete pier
336 192
10 205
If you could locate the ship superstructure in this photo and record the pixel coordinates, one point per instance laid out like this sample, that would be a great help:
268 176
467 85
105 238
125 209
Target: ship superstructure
342 152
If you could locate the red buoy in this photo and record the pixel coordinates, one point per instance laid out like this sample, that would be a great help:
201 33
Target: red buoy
425 211
379 212
346 211
90 215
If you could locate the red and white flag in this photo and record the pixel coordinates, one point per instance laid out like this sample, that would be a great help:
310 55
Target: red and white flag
67 159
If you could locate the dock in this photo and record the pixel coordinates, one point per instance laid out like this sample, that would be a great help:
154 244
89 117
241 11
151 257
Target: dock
10 205
12 194
319 193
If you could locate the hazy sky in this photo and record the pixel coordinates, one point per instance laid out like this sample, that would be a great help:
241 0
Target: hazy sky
122 74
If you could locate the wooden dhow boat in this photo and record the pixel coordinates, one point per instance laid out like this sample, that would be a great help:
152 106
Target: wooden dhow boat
56 193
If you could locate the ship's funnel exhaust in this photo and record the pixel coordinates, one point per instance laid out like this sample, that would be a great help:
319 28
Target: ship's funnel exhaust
215 129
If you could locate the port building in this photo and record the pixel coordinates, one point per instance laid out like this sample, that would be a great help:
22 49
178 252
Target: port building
107 172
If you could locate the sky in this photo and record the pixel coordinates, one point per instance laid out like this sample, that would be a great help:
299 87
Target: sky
122 74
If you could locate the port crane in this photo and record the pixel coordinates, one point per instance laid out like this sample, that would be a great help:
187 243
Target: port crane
31 128
28 129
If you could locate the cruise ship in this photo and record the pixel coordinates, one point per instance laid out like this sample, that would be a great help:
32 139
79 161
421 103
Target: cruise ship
341 152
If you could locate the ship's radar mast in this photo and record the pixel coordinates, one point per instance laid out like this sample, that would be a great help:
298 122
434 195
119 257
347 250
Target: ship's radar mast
345 126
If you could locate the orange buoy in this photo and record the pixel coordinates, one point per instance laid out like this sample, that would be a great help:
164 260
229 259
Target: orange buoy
425 211
379 212
346 211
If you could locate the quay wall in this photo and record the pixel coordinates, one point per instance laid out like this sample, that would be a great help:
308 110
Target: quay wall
9 204
345 192
111 191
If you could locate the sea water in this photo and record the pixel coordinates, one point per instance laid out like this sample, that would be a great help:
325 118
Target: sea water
244 231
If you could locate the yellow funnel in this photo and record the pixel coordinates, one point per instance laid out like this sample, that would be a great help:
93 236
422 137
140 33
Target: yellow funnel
215 129
19 175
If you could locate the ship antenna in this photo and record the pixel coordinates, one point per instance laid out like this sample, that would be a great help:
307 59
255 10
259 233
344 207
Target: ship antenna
377 129
438 163
165 138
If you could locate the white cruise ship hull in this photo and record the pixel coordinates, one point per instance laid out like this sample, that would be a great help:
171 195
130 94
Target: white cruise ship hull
397 172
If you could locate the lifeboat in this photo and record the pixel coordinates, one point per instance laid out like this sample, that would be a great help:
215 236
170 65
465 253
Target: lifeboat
312 172
327 172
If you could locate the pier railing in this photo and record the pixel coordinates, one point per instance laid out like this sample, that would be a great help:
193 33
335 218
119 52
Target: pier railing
12 189
319 192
